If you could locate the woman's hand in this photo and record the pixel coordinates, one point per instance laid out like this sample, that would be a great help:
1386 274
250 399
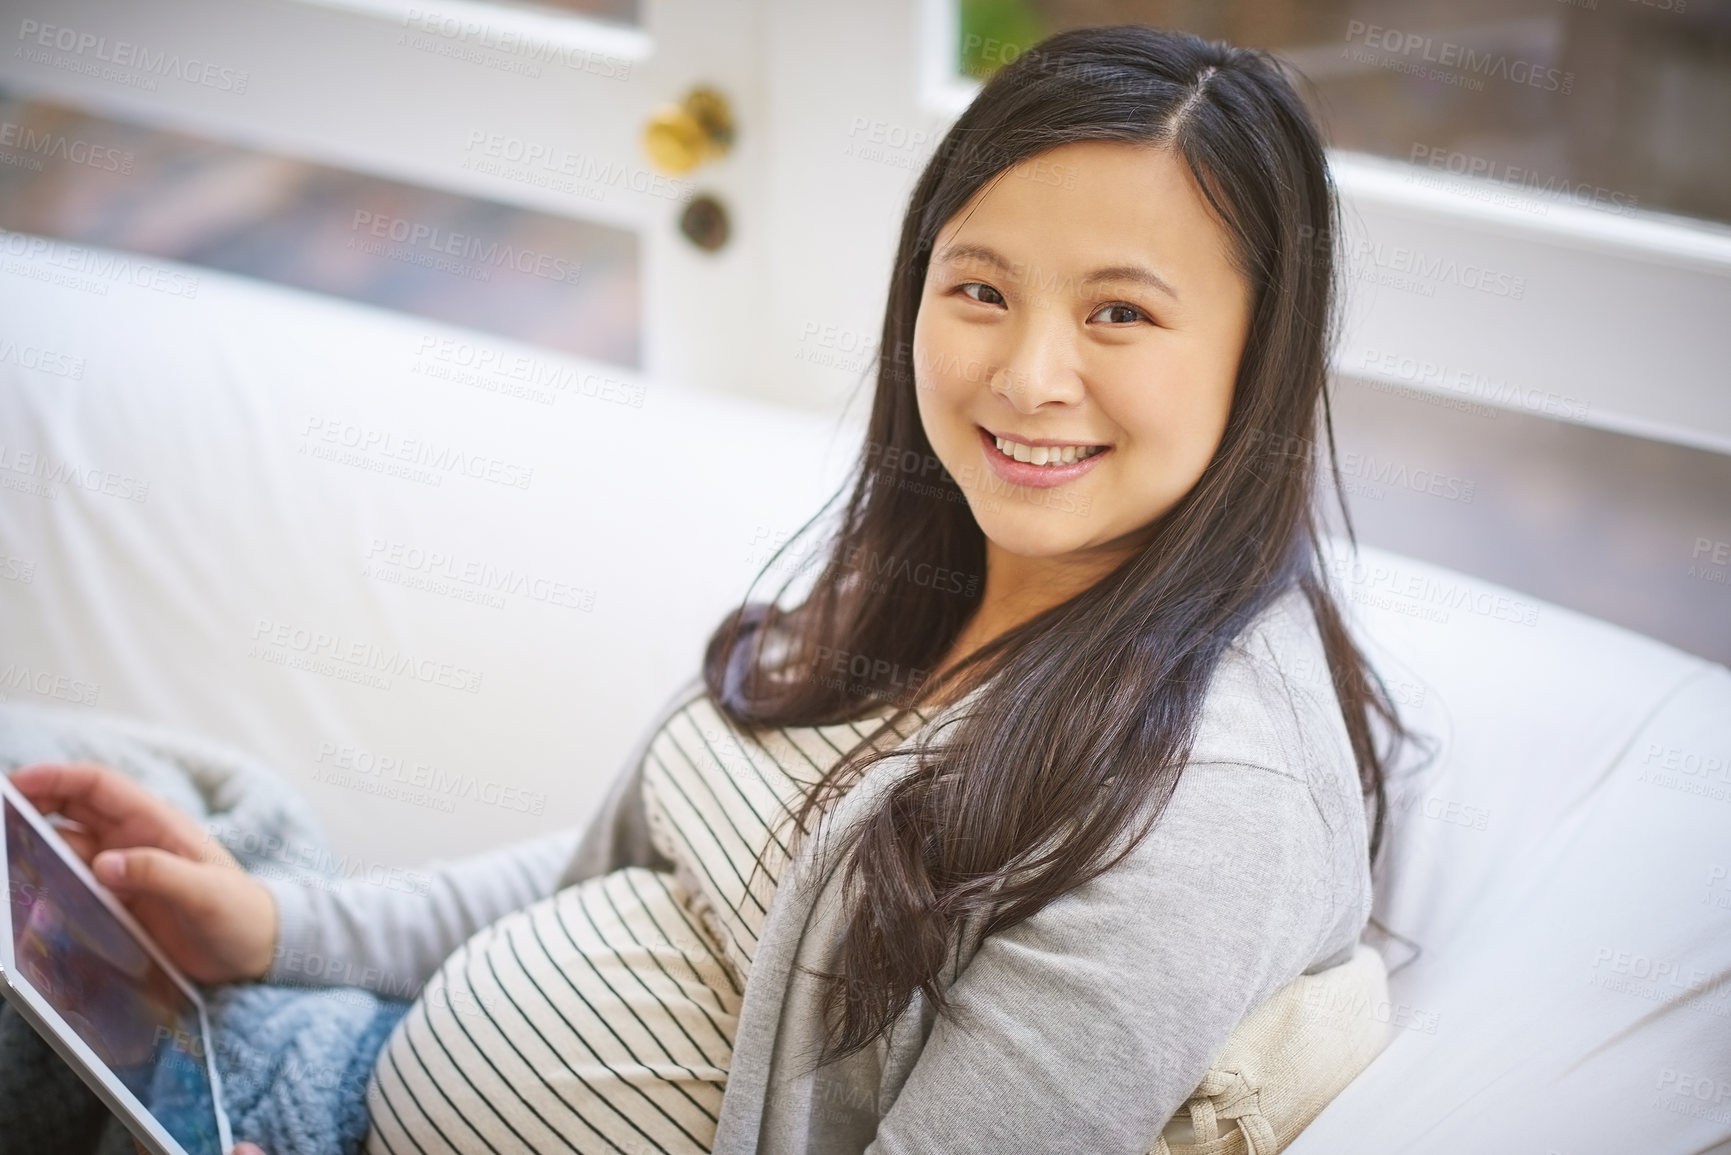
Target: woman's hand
214 921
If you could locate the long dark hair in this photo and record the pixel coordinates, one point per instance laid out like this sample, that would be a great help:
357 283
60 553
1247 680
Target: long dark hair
1086 712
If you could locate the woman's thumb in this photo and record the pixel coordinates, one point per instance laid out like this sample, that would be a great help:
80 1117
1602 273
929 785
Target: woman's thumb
146 870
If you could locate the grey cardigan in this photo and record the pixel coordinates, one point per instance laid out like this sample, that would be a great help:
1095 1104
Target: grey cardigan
1083 1029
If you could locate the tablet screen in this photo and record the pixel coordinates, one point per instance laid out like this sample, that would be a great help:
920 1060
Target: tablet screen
90 969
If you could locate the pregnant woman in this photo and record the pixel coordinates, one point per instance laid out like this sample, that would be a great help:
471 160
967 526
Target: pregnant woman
1057 772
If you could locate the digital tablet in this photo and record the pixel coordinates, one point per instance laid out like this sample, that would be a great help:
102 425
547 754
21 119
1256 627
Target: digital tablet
87 977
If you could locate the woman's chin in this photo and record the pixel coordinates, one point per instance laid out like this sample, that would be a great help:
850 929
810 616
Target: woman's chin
1030 531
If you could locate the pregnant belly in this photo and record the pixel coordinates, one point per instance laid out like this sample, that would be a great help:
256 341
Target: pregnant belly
600 1019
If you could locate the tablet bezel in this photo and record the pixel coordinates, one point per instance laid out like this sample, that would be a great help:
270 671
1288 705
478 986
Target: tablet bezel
41 1015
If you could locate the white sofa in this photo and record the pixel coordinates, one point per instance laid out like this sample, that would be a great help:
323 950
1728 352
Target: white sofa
347 540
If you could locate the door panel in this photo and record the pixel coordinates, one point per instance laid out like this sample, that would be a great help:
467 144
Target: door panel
511 105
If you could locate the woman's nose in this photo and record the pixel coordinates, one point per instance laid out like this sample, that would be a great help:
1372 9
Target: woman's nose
1040 369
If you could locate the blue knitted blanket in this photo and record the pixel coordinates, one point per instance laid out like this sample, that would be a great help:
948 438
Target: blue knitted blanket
294 1061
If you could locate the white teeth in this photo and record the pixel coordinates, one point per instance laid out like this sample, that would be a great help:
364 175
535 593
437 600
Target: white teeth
1046 454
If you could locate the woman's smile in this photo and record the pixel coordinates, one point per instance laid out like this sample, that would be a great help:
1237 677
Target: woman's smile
1039 464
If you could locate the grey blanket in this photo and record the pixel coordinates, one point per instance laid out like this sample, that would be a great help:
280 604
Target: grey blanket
294 1061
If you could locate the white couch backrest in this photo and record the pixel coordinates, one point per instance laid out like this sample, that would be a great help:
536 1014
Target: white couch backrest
340 538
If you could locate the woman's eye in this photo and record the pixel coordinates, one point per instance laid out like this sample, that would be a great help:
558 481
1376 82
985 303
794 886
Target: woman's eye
1119 314
984 294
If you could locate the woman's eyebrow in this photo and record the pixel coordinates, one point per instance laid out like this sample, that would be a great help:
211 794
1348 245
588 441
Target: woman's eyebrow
954 254
1143 276
1134 273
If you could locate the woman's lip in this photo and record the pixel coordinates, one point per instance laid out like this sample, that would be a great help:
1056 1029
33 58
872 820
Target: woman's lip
1033 476
1043 442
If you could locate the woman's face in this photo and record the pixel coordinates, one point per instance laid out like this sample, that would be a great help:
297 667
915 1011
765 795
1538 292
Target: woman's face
1083 311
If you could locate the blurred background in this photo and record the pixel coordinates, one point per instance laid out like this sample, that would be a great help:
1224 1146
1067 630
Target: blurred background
1537 194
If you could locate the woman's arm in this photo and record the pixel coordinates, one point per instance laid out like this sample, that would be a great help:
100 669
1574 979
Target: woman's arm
390 934
390 938
1087 1026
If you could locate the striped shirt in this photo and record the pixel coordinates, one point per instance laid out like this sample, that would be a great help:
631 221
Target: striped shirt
602 1019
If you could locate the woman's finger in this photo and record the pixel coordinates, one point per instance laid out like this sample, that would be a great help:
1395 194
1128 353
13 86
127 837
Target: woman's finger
110 805
102 797
82 844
